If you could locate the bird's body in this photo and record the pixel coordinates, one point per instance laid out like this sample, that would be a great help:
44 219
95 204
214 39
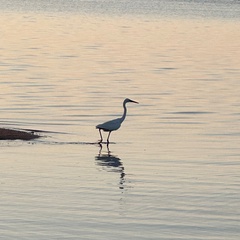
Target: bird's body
111 125
114 124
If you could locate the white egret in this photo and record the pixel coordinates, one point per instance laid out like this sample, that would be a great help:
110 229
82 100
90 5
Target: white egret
114 124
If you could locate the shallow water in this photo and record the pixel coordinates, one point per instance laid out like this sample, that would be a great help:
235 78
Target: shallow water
173 168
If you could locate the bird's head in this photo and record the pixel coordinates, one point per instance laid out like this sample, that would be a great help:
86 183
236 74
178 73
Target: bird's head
129 100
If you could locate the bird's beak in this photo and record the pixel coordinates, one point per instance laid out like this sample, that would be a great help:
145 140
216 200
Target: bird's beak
134 102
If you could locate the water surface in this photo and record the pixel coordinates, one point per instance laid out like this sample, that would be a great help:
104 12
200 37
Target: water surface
173 168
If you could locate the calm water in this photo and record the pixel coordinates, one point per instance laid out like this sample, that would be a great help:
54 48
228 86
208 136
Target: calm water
173 167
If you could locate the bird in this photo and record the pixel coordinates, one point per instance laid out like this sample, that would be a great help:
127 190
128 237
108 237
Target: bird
114 124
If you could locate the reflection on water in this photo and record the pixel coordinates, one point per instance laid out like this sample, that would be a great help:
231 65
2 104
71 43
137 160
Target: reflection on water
111 163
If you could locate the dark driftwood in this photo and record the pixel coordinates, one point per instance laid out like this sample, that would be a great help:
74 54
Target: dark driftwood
11 134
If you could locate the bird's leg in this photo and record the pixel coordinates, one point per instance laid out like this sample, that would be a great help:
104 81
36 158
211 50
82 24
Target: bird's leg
108 138
100 136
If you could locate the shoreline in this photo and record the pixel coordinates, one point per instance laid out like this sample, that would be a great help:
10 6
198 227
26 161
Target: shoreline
11 134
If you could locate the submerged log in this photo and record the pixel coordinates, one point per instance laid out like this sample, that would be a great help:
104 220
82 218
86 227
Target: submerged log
11 134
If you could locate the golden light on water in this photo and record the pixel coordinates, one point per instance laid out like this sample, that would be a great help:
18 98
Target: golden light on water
174 163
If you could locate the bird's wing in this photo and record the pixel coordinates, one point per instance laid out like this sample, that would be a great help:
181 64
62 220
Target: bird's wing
110 125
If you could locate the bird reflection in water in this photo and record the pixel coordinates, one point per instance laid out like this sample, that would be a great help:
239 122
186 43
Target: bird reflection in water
111 163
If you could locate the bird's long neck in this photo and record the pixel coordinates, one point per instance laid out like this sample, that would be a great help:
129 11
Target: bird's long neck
124 112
